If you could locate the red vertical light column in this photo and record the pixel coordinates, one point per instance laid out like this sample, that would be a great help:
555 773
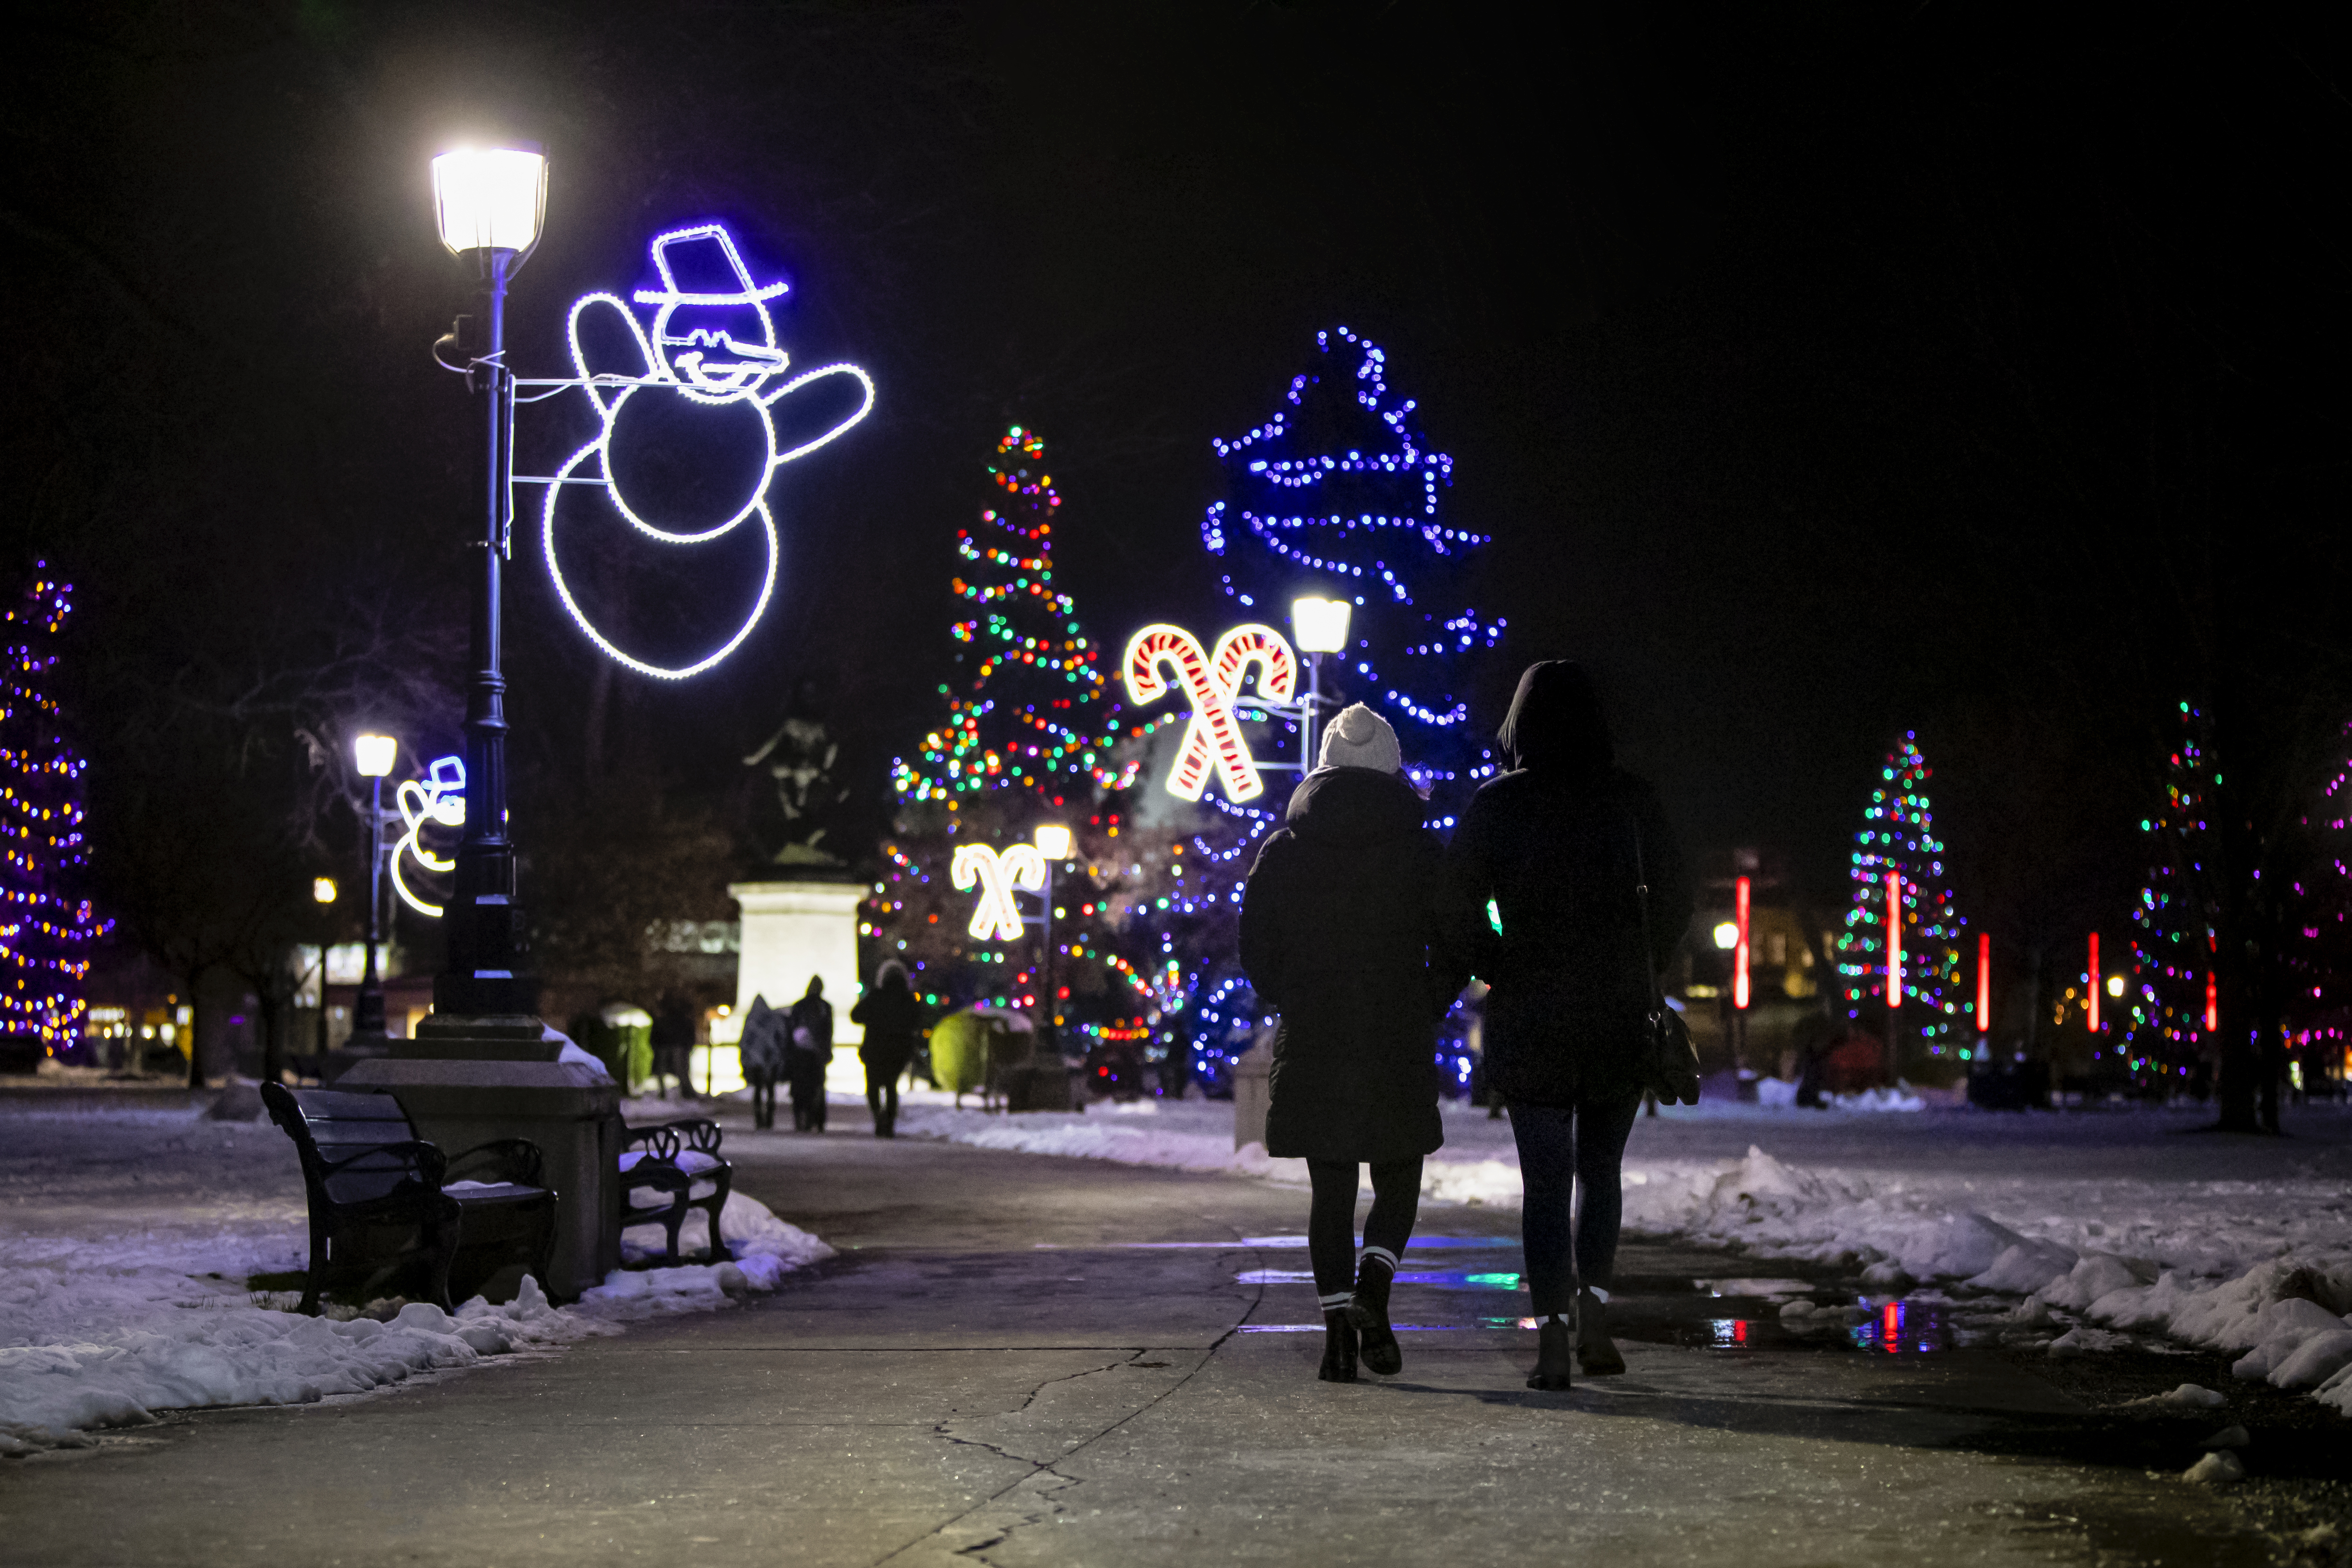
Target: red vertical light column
1739 948
1984 982
1893 938
2095 983
2212 1001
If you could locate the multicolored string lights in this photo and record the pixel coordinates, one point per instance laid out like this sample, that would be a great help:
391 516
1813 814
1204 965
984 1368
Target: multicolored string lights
46 926
1898 870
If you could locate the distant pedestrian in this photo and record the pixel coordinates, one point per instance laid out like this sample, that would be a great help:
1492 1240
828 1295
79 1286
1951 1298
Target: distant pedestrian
894 1021
1340 934
673 1043
809 1053
1562 845
763 1049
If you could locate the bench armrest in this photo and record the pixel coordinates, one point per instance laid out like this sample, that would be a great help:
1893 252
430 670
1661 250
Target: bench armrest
659 1141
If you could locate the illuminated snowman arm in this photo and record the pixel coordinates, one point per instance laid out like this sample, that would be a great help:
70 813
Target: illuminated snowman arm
864 408
588 380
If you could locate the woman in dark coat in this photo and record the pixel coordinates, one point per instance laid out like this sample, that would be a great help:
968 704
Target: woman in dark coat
1340 933
808 1052
893 1020
1561 845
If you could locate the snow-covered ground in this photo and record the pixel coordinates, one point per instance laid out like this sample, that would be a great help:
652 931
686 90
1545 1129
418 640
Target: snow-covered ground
127 1238
2077 1229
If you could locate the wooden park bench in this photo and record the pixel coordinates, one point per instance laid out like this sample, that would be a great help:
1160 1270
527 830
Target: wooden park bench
383 1202
666 1162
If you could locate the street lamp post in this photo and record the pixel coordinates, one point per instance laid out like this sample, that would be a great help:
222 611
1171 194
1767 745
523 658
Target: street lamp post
1319 625
374 755
1053 841
490 204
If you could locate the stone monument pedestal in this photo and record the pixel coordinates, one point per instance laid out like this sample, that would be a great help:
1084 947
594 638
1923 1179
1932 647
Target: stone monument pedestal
465 1082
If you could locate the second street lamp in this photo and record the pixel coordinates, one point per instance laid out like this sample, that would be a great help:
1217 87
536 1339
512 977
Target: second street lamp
374 755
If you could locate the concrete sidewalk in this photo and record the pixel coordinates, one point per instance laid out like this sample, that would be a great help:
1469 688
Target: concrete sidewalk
1019 1360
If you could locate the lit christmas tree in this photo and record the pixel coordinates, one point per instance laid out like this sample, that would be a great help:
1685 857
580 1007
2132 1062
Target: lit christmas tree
47 927
1337 495
2178 913
1027 739
2315 926
1898 841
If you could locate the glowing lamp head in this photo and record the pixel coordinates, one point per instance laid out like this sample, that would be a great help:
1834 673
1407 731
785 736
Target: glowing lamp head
1053 841
1727 935
2114 984
322 889
490 199
374 754
1320 625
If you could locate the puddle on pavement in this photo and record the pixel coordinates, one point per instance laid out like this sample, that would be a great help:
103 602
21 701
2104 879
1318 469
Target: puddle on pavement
1730 1314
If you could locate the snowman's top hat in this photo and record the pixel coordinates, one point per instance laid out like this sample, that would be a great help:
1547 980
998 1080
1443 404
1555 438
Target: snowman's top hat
696 240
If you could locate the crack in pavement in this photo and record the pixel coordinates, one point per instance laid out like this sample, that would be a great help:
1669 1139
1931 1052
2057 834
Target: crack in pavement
1046 1467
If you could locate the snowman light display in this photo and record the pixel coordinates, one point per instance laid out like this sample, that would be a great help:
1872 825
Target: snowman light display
714 350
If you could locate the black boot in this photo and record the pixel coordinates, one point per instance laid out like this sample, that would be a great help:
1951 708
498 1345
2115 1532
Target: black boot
1596 1353
1555 1352
1367 1309
1338 1347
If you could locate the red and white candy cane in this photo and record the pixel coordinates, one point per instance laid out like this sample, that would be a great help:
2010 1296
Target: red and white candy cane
997 917
1213 683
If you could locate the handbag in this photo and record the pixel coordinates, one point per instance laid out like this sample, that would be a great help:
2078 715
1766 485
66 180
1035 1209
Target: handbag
1669 1059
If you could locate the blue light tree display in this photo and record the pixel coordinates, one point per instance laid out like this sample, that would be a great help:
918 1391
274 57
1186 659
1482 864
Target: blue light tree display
1898 839
46 926
1337 494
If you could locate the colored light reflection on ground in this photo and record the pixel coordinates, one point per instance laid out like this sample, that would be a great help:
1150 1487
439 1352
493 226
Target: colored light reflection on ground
1443 1279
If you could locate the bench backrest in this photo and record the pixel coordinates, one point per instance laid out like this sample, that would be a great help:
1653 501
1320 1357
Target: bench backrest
349 1144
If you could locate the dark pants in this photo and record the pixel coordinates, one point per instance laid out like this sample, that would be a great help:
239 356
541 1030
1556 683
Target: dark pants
1570 1163
882 1097
1331 1216
763 1100
808 1092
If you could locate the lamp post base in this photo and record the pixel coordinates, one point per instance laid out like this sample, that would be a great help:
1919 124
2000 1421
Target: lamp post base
467 1081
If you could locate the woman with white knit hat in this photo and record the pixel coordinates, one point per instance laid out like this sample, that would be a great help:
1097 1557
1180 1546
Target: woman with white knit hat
1340 934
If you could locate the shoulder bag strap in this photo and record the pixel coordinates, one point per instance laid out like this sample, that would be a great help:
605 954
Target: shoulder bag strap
1642 898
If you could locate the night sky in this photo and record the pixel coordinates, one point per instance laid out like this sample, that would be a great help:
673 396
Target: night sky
1822 372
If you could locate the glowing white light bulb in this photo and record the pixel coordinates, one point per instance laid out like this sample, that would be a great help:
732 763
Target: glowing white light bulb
490 199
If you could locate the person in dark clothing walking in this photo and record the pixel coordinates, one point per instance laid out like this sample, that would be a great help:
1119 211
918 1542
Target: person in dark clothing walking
1543 880
809 1048
893 1021
762 1051
673 1043
1340 933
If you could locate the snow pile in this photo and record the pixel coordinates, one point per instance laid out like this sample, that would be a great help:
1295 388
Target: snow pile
1184 1135
132 1234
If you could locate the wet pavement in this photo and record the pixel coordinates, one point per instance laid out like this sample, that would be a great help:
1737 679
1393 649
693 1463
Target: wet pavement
1023 1361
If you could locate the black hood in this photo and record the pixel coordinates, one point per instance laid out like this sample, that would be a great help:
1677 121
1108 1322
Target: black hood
1354 806
1556 724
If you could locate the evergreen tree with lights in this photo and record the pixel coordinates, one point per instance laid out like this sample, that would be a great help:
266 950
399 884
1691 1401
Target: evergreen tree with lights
2177 917
1028 736
1337 494
1898 839
47 925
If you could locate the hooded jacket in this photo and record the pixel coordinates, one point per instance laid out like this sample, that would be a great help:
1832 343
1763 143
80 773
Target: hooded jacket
1541 882
1340 934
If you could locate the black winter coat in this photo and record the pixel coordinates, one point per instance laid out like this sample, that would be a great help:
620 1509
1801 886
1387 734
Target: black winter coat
1554 850
894 1021
1340 933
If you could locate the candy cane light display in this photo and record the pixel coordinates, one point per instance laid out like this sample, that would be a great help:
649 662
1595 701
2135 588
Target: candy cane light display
724 356
1022 868
1212 682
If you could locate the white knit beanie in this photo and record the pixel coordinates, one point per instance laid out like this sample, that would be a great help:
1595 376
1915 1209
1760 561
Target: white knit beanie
1360 738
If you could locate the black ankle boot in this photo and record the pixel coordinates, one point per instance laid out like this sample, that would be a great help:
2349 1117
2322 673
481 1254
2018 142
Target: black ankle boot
1555 1353
1367 1309
1338 1347
1596 1353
